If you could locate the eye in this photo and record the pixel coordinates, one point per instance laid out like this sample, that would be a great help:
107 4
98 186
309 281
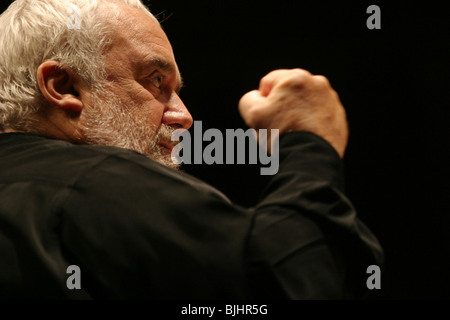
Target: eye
157 80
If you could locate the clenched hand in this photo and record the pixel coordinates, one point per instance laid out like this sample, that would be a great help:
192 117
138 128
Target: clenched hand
296 100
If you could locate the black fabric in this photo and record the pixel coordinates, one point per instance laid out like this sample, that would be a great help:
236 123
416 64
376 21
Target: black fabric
138 229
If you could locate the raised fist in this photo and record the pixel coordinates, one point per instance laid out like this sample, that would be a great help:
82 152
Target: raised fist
296 100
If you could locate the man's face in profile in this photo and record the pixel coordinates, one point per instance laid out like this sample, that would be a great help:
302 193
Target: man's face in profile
139 106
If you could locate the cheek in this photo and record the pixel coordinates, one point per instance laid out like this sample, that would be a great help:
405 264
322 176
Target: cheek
151 113
141 104
142 111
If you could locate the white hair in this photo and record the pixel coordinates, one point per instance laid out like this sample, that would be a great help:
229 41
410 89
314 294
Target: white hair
33 31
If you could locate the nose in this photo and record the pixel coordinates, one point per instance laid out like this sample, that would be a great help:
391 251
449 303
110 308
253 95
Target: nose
176 114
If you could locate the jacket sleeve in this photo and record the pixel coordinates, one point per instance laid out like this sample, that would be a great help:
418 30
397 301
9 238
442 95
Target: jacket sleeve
305 233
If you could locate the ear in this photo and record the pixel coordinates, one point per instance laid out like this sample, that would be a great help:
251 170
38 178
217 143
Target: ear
58 86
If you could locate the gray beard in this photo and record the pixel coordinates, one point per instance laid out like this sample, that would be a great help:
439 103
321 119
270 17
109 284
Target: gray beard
108 124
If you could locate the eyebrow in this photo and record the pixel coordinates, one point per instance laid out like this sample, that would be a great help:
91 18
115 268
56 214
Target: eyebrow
165 66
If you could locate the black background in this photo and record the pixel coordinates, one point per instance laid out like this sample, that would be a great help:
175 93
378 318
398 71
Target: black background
393 82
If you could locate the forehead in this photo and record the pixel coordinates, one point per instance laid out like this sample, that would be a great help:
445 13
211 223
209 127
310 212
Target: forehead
137 40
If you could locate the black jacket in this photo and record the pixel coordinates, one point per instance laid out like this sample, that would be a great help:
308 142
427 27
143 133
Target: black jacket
137 229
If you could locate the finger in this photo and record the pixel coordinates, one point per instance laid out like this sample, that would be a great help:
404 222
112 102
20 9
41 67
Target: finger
273 78
321 82
250 101
268 81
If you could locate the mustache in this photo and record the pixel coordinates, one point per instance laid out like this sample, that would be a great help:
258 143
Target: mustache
164 134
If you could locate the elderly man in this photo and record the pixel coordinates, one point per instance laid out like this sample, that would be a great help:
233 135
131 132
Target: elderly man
88 184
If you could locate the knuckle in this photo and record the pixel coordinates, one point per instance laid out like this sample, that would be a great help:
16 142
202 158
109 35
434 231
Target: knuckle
297 80
300 71
271 76
322 82
335 95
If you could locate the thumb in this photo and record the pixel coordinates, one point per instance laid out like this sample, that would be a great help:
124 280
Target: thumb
249 105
